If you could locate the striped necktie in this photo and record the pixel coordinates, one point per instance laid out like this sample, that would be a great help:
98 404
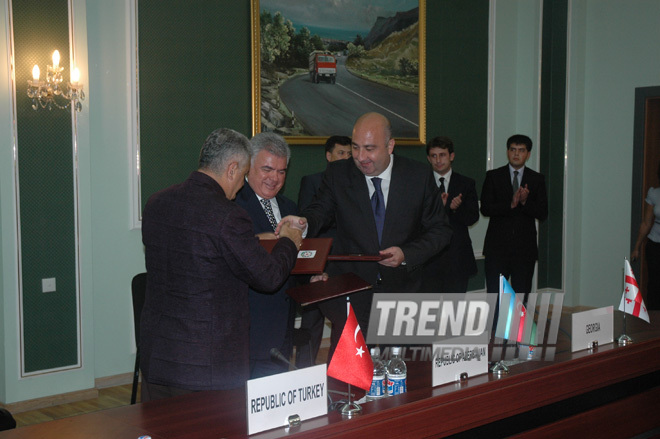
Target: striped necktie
269 212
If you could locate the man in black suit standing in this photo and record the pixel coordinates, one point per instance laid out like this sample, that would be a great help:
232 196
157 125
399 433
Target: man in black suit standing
201 255
271 315
336 148
514 197
383 204
449 271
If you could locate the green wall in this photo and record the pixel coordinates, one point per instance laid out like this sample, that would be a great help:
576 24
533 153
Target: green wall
186 54
457 80
551 142
46 182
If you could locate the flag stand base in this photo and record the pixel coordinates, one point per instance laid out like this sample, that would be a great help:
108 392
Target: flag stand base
499 368
350 409
624 340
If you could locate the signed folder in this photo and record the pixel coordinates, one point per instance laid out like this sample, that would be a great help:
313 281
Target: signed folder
312 255
335 286
358 257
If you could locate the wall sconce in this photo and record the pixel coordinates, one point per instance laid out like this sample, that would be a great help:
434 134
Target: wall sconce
47 93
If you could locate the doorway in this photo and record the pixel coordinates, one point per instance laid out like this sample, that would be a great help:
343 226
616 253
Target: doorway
646 163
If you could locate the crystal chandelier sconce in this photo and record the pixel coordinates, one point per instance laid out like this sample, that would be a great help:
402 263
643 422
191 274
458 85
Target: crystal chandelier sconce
51 92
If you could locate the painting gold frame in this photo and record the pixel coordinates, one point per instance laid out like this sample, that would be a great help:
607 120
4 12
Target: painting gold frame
314 140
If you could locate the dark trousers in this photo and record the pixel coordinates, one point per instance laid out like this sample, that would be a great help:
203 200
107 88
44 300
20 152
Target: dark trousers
260 367
313 322
443 280
261 363
652 256
519 271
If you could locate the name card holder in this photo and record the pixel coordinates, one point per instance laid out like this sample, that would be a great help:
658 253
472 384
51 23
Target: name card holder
592 328
455 363
286 399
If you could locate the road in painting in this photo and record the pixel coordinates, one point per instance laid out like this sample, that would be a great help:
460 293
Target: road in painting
377 65
345 101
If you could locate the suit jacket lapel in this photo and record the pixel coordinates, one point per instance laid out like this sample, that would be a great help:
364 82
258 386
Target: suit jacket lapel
283 206
525 178
259 218
454 187
506 176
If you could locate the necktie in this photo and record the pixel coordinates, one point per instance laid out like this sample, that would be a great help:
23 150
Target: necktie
442 185
378 206
269 212
516 185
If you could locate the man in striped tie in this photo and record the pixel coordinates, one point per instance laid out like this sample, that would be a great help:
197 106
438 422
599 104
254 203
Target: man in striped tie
271 315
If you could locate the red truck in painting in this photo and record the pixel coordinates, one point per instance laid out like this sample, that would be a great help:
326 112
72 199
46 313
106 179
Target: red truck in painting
322 65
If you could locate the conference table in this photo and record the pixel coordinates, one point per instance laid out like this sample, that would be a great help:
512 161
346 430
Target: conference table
608 391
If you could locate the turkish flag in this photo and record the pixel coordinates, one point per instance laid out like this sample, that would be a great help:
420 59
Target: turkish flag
351 362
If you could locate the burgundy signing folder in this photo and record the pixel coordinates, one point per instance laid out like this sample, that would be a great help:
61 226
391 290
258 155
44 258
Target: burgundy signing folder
312 255
335 286
358 257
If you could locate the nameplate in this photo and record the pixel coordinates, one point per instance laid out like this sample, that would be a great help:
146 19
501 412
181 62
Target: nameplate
596 325
272 400
451 362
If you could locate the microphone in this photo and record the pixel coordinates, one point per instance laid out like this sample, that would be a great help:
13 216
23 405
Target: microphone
276 355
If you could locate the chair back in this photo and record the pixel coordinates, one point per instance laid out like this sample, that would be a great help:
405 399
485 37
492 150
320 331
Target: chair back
7 421
139 291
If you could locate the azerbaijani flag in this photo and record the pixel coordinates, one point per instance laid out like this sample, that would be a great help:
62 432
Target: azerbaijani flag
513 315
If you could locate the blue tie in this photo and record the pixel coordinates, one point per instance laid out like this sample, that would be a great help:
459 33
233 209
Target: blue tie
378 206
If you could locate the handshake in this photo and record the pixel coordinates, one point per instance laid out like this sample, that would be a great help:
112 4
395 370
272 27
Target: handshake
292 227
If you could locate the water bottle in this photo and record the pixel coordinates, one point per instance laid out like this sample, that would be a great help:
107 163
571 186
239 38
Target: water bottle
397 374
378 383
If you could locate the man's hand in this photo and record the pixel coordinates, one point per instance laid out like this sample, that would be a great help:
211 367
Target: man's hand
294 234
395 259
524 193
456 202
516 199
444 197
266 235
296 222
319 278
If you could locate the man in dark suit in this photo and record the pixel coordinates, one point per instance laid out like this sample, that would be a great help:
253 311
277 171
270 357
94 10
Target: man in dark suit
271 315
514 197
449 271
313 320
399 216
201 254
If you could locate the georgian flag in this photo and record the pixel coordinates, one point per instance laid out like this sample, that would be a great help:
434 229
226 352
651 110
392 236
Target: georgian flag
632 301
351 362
